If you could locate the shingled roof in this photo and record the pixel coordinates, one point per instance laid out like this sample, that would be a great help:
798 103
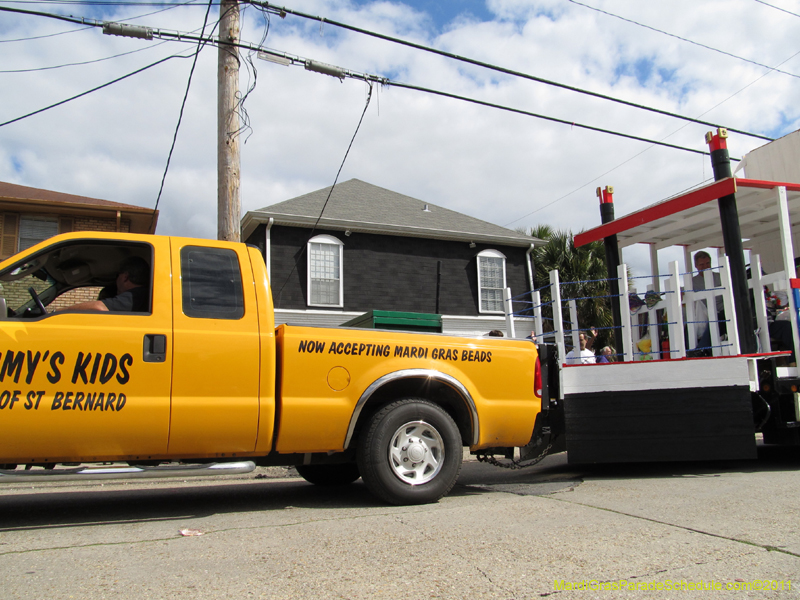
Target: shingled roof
20 198
359 206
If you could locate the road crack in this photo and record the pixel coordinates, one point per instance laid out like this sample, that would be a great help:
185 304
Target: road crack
766 547
177 536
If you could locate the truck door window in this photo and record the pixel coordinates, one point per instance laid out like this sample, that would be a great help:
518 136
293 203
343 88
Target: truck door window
67 274
212 283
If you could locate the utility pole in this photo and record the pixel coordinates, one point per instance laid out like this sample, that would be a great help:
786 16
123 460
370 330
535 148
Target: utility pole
228 159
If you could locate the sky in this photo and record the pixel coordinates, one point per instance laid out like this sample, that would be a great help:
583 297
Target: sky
716 60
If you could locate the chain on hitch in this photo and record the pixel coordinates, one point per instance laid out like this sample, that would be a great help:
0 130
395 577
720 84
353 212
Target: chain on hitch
514 464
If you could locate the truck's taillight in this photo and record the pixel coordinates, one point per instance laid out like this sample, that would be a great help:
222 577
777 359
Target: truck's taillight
537 379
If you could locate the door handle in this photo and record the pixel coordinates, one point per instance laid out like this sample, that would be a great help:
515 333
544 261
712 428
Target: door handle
155 347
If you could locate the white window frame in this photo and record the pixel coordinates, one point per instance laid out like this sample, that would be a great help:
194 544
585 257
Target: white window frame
490 254
330 240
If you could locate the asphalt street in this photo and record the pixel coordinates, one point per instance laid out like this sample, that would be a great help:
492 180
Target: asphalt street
688 530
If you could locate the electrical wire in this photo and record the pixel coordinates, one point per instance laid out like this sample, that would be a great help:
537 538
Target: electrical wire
202 40
94 89
638 154
96 3
86 62
252 76
282 11
330 192
267 6
68 19
777 8
252 80
252 73
683 39
49 35
89 62
544 117
155 12
388 82
341 166
265 9
40 37
180 115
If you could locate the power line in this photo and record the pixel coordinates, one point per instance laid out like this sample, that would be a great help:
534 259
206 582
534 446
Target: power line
683 39
282 12
87 62
777 8
342 73
638 154
180 114
68 19
155 12
545 117
106 3
330 70
330 192
99 87
40 37
114 28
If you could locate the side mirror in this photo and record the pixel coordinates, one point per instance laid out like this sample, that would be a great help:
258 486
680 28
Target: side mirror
3 310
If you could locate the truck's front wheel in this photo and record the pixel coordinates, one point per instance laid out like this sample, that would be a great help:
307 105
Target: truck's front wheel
410 452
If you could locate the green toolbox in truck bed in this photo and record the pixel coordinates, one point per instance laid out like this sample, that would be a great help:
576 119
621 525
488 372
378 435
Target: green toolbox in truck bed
401 321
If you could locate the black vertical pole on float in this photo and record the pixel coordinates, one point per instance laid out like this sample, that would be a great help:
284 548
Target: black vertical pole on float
612 262
438 283
732 238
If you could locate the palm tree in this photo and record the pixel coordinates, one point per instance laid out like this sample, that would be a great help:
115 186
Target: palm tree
583 274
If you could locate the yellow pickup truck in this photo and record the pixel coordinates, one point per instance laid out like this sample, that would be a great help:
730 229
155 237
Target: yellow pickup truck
199 380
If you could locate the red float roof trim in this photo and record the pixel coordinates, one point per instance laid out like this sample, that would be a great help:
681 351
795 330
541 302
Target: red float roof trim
767 185
671 206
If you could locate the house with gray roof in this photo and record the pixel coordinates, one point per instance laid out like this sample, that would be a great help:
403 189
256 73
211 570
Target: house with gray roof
334 256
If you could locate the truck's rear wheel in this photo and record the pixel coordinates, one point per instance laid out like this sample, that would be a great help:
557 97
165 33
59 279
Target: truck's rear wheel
410 452
339 474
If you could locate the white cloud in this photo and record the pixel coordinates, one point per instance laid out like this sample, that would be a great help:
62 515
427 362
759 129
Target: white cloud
493 165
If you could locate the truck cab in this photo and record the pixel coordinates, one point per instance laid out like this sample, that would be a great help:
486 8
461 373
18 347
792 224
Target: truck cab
183 378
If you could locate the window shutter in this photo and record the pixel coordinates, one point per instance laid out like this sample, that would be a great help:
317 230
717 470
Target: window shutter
65 225
8 244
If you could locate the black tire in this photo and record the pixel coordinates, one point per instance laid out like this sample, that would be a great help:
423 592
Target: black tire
410 452
339 474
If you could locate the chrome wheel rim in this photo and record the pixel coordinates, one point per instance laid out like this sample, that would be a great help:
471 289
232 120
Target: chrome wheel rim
416 452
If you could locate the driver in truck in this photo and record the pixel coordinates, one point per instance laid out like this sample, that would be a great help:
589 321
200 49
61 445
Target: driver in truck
132 290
